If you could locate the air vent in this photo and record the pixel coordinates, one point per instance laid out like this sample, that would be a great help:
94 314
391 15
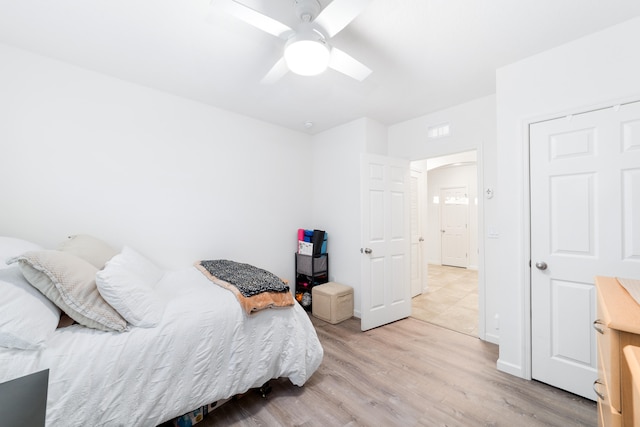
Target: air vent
438 131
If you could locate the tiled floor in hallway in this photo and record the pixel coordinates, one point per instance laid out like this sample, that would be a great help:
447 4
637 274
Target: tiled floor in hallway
451 300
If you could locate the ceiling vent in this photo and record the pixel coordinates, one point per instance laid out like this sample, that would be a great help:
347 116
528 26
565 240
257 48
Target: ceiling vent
438 131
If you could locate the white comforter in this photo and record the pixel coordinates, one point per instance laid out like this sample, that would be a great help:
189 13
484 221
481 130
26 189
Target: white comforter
205 349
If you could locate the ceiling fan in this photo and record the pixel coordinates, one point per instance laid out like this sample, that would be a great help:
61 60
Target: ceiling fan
307 50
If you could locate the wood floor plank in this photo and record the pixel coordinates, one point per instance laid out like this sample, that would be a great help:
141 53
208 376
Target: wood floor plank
408 373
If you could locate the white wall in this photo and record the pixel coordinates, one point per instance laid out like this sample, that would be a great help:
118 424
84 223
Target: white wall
336 189
473 127
178 180
595 71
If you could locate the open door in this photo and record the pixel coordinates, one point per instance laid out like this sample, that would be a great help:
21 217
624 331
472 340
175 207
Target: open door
385 207
417 264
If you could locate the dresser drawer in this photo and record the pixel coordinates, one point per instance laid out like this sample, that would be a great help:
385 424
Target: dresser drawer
632 358
618 327
607 417
608 360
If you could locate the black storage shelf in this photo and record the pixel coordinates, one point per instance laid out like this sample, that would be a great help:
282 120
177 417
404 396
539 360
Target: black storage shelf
311 270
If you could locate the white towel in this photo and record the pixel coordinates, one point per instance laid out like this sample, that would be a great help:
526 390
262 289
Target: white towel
632 286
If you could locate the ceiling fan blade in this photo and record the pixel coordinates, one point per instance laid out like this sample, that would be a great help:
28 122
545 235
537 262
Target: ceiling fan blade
348 65
338 14
276 72
255 18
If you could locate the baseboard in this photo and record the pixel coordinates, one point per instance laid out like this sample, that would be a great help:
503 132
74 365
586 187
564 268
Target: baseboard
437 262
492 338
510 368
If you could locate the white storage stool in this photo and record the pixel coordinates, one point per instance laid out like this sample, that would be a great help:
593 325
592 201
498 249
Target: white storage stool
332 302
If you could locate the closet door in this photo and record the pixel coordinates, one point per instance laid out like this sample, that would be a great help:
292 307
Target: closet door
585 222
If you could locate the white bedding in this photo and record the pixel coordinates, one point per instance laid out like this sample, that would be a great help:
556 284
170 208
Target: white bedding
205 349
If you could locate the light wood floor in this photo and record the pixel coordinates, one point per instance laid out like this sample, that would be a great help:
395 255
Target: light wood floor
408 373
451 300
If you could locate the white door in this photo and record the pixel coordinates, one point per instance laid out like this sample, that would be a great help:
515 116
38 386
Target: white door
454 218
417 267
585 221
385 192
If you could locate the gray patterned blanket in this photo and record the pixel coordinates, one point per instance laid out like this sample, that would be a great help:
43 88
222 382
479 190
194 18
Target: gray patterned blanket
249 280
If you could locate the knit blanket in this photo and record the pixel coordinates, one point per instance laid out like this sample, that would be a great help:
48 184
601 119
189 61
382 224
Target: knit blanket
255 289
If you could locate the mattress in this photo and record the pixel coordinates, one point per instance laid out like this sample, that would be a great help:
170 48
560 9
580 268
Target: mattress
206 348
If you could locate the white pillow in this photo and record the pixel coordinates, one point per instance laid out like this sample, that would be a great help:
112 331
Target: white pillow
70 283
27 318
93 250
127 283
12 247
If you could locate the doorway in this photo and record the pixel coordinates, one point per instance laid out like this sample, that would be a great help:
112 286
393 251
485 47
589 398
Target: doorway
454 226
450 295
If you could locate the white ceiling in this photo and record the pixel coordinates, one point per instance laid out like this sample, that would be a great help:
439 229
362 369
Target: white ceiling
426 55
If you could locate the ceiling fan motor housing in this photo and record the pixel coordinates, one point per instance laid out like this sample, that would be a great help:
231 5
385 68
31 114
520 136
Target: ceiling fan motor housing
307 10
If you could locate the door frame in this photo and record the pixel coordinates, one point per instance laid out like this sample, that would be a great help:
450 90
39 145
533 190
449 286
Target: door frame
527 359
482 195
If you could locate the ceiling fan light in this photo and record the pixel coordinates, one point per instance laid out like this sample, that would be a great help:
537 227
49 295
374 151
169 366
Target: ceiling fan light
307 57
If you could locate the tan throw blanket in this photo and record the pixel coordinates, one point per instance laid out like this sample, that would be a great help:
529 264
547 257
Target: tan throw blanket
254 288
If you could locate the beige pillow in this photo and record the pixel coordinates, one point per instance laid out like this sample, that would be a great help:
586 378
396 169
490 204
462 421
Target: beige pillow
70 283
90 249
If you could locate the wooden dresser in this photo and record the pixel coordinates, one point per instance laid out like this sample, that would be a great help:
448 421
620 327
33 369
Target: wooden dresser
632 357
617 325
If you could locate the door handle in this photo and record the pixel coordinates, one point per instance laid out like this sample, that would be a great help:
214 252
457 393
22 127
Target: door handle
596 326
367 251
541 265
420 239
597 383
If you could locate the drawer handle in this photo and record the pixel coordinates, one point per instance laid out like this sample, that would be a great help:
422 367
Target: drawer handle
595 326
596 383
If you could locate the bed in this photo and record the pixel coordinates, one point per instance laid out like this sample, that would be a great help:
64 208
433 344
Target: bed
197 346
